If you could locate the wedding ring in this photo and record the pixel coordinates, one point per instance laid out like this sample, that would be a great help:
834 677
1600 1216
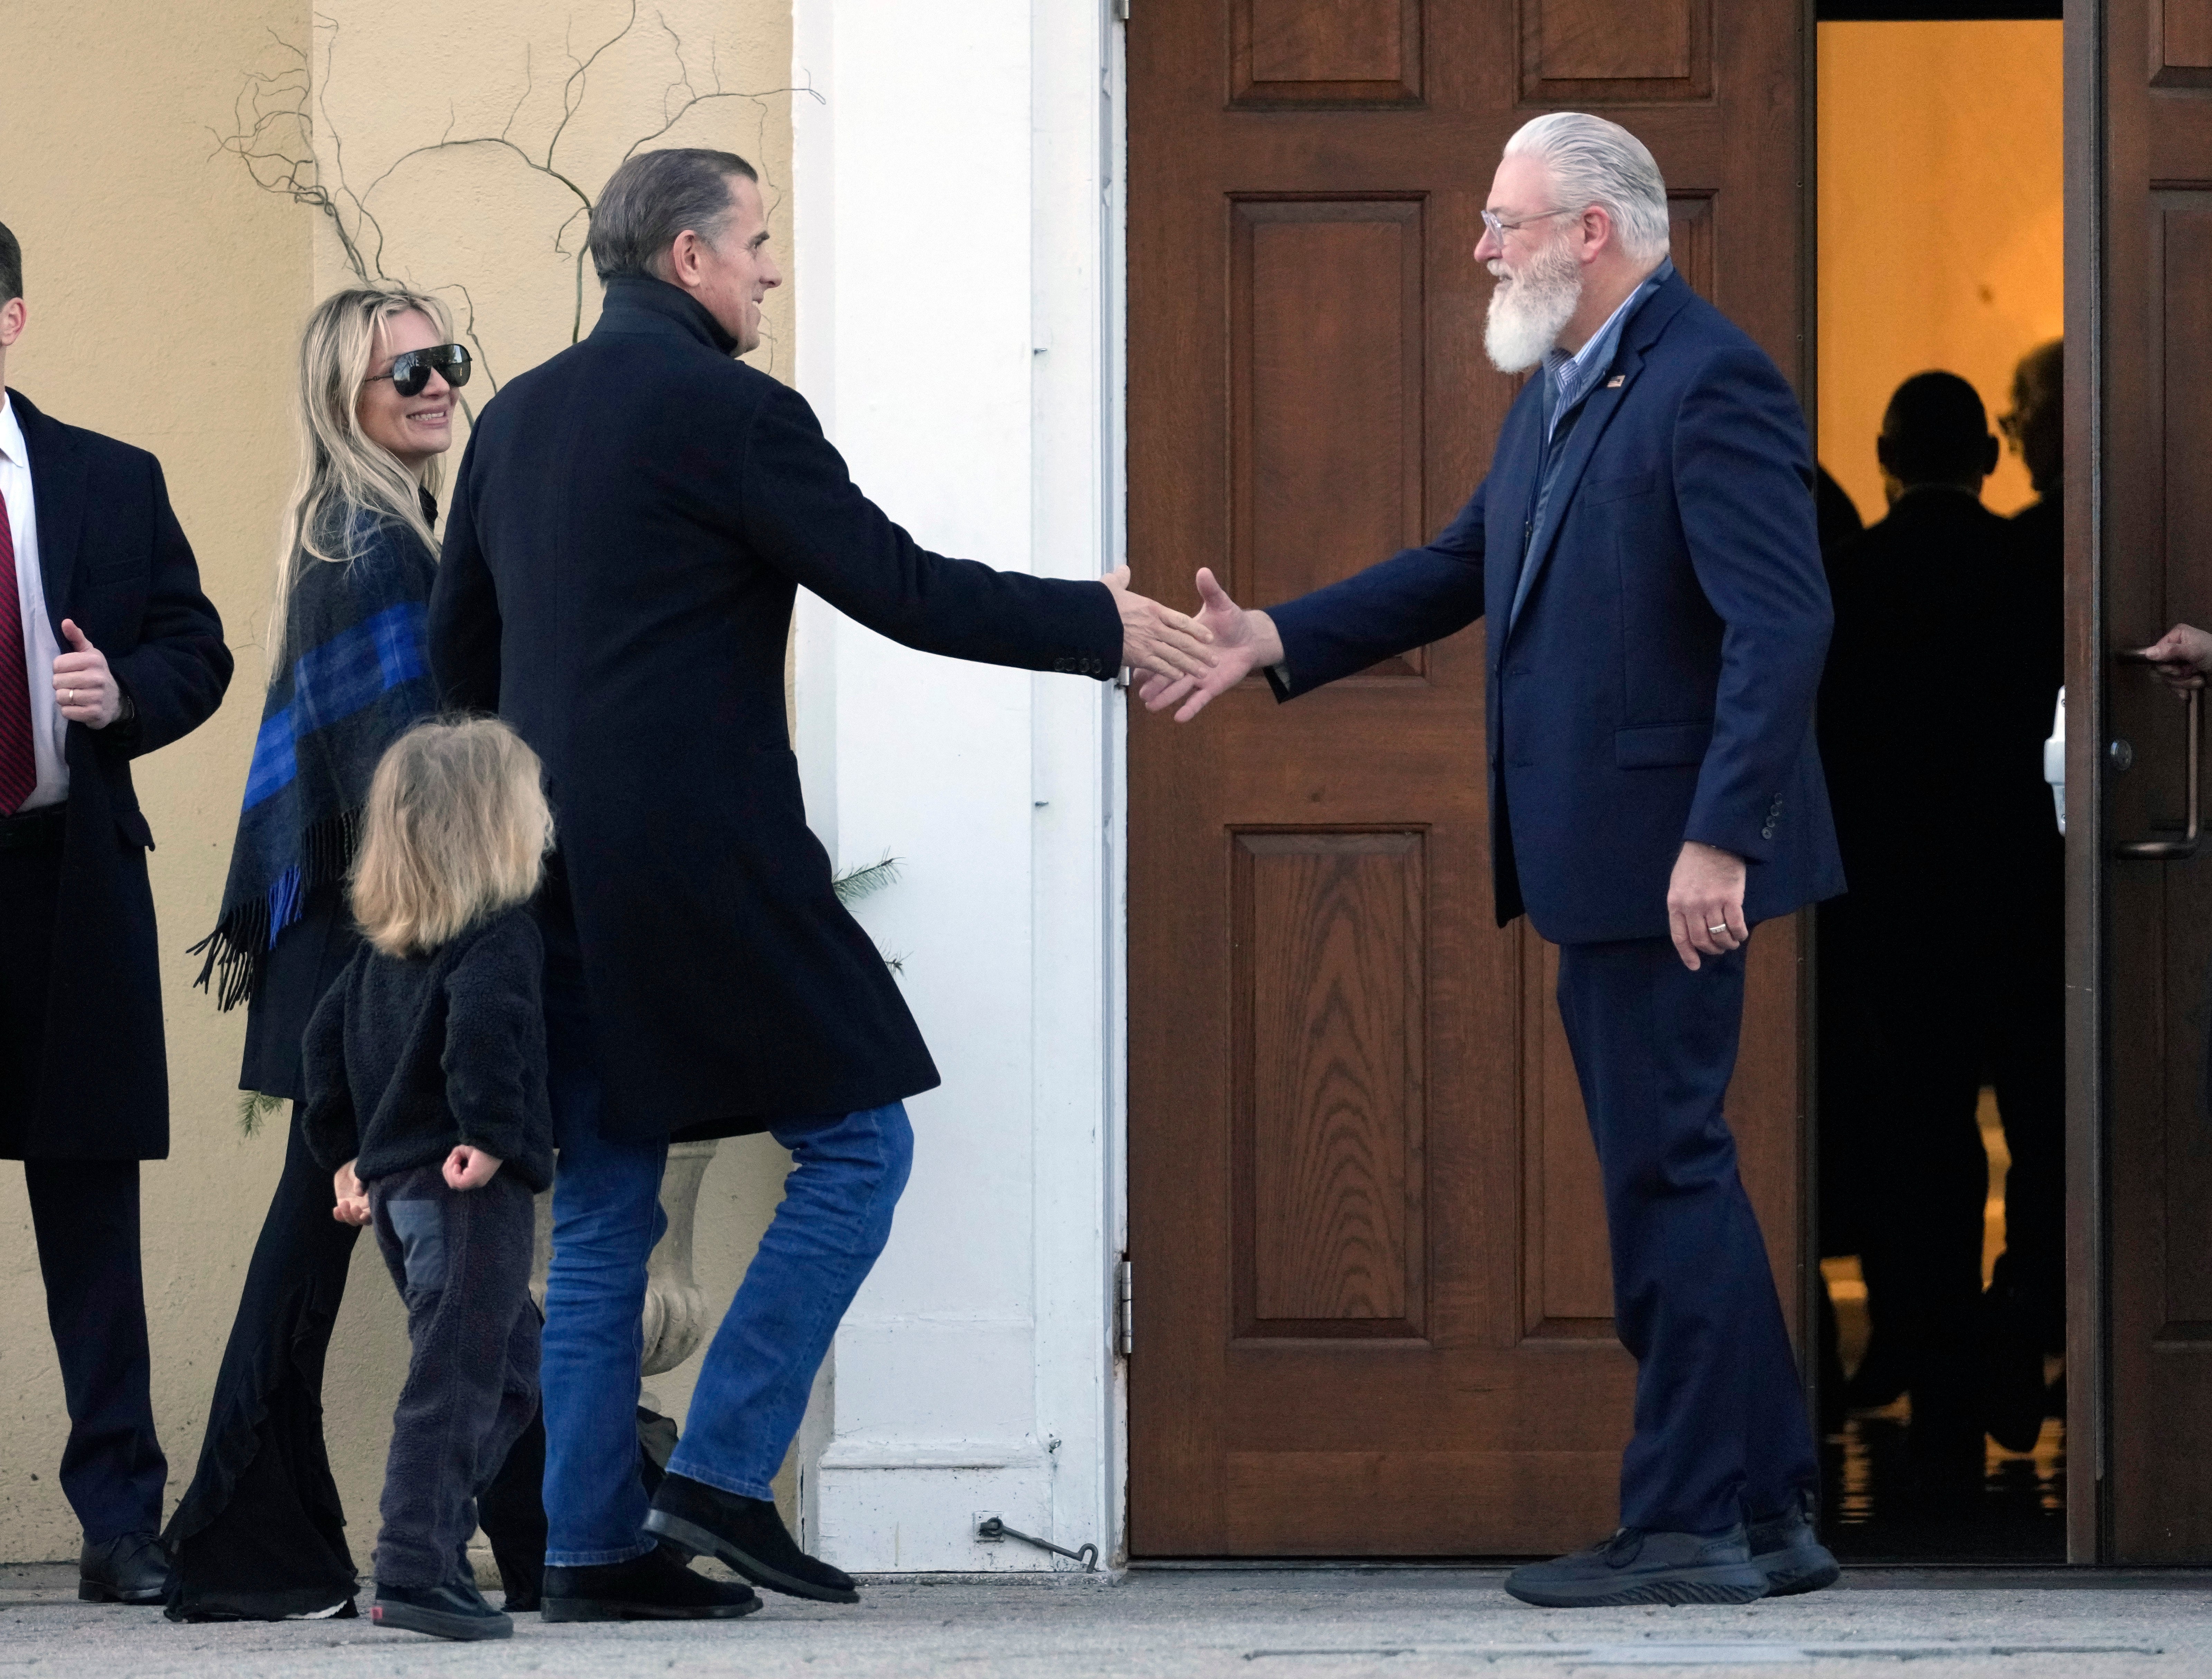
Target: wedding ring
1723 927
69 697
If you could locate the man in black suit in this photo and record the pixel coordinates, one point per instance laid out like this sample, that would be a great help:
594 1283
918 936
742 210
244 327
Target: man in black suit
1951 930
107 650
627 531
2025 1309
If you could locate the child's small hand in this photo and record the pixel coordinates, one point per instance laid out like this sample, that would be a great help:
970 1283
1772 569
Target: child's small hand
467 1168
352 1206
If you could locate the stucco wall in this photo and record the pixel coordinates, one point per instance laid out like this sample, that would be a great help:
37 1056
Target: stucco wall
167 291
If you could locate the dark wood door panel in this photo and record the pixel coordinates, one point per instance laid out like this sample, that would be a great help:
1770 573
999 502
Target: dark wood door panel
1616 52
2149 318
1323 54
1329 1036
1364 1205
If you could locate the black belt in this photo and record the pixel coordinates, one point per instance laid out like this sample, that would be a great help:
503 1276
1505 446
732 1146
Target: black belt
40 830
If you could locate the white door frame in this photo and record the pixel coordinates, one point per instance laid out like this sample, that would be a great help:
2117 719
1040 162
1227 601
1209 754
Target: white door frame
960 299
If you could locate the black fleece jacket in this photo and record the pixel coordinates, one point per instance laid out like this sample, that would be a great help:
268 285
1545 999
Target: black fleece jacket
436 1050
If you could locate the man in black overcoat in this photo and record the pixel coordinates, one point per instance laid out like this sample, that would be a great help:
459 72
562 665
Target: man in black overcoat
629 528
107 650
1936 769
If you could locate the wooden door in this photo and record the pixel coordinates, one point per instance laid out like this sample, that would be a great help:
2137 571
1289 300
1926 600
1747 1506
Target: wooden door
1373 1308
2139 484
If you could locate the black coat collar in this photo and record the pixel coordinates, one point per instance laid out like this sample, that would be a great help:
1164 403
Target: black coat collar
58 467
639 303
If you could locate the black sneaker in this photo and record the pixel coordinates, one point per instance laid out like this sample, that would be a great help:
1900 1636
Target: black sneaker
1785 1549
748 1535
455 1610
1635 1566
656 1586
133 1568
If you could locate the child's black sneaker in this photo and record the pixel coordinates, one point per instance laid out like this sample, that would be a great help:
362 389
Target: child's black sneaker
456 1610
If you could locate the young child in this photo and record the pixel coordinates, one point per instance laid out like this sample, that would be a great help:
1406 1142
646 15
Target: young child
425 1074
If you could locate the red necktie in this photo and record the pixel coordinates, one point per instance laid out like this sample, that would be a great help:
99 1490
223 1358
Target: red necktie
19 765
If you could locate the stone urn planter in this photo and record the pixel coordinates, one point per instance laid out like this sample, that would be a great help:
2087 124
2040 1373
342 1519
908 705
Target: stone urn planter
675 1305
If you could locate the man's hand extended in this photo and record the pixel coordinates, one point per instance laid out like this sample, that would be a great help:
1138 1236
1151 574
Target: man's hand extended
1243 641
1705 902
2182 655
1156 639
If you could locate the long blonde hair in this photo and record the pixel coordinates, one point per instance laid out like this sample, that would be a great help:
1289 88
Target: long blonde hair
340 470
456 830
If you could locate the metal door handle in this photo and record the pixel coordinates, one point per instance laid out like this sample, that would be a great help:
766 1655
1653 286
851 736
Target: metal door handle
2174 850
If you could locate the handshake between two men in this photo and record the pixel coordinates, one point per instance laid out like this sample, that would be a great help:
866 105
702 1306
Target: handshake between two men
1189 662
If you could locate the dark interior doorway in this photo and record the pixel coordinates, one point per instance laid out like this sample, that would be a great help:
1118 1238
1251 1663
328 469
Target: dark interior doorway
1940 230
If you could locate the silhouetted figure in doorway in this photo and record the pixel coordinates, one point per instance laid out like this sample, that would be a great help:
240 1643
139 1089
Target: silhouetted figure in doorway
2027 1301
1934 767
1838 513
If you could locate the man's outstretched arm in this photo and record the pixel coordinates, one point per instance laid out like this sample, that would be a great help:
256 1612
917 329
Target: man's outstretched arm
802 512
1417 596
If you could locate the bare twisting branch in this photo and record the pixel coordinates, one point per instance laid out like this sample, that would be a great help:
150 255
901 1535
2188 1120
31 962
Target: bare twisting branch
279 117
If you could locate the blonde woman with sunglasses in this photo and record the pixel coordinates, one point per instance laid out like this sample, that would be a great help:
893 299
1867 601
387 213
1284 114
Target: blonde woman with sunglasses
260 1535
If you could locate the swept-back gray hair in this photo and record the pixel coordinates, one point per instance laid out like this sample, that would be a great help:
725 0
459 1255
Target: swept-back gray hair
1594 161
654 196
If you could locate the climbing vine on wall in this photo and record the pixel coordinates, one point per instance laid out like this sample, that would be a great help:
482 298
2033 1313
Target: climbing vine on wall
283 134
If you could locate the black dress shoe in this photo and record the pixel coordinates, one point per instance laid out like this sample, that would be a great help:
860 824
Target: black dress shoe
656 1586
455 1610
748 1535
1638 1566
1789 1554
131 1569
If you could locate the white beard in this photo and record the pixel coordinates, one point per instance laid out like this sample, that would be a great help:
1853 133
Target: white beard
1527 311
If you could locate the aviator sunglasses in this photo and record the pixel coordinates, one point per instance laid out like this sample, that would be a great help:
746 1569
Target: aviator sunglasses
411 370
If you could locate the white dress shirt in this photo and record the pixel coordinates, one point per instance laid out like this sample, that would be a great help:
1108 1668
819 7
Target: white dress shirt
48 726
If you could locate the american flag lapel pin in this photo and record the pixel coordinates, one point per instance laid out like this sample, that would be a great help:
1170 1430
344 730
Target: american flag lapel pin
1616 381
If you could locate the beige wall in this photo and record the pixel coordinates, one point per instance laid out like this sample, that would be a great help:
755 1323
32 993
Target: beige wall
1941 214
166 292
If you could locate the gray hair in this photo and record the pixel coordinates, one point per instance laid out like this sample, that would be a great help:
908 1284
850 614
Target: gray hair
655 197
1594 161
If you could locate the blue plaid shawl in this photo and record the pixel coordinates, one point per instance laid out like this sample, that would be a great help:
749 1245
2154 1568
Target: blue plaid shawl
355 674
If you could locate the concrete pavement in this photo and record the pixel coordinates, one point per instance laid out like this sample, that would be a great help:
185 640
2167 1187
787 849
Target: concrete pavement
1309 1623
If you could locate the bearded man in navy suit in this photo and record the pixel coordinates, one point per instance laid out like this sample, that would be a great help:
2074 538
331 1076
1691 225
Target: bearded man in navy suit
1645 553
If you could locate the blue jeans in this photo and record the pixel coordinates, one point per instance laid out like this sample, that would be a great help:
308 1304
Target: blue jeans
846 1177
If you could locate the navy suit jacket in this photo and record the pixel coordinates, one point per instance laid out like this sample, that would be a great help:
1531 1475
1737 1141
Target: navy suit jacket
1658 683
111 558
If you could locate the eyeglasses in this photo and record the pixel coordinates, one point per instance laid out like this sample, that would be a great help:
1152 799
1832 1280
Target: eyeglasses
411 369
1499 227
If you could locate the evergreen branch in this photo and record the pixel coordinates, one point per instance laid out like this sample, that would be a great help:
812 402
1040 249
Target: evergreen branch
864 879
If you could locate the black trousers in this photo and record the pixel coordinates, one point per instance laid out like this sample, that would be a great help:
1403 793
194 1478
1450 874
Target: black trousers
461 1261
260 1533
85 1214
1978 998
1721 1431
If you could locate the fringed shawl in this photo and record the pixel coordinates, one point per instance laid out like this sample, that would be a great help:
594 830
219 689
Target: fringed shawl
355 673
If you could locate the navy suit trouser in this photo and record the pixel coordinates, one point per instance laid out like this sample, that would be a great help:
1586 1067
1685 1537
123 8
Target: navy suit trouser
1721 1429
85 1216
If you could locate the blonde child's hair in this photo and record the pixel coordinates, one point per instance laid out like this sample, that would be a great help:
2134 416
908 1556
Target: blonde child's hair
456 830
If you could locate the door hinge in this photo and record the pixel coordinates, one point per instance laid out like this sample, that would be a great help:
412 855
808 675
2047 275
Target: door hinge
1125 1329
1120 11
